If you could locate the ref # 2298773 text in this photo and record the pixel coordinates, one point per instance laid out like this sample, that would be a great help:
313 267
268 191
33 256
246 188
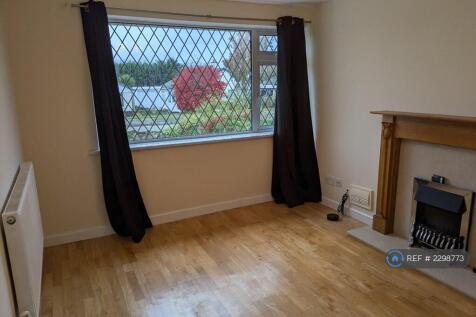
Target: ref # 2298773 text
426 258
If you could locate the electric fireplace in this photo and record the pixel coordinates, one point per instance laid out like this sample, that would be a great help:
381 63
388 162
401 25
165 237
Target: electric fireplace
441 216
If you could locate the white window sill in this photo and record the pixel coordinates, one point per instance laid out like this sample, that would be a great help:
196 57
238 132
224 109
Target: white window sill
196 141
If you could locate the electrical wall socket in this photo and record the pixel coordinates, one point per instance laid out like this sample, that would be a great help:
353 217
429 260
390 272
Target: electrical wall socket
334 181
330 181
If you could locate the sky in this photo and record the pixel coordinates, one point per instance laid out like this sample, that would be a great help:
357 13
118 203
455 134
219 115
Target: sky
189 46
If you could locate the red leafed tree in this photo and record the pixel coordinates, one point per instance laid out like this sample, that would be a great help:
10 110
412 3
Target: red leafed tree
194 85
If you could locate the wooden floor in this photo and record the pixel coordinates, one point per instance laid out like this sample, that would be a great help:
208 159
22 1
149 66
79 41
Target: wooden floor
263 260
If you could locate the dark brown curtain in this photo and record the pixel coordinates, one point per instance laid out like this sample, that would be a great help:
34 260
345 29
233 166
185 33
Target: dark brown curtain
295 169
122 196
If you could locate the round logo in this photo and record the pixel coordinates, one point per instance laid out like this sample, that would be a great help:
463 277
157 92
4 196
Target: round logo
394 258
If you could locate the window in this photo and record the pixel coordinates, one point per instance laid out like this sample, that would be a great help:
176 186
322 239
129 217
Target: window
181 82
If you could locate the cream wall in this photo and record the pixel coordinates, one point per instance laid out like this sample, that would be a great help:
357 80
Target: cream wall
10 156
52 89
395 55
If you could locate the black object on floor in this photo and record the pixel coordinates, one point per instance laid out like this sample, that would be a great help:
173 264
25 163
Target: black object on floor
332 217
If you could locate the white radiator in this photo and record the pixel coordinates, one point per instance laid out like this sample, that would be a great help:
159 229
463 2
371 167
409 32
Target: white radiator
24 238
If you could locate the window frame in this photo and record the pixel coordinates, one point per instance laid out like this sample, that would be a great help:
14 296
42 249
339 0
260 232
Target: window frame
258 58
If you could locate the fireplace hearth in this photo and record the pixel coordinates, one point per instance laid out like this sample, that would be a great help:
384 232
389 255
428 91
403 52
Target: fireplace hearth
441 216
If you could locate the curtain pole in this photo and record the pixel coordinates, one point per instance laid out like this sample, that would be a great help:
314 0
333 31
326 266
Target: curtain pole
208 16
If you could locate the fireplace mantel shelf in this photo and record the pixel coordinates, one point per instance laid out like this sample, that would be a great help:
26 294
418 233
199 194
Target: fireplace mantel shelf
456 131
426 116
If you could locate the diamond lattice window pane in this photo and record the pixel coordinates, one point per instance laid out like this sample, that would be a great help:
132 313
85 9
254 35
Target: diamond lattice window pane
268 43
267 94
178 82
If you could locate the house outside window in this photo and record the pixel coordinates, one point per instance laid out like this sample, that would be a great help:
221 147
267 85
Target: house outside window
180 82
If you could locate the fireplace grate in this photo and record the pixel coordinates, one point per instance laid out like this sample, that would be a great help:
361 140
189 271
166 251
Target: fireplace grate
428 237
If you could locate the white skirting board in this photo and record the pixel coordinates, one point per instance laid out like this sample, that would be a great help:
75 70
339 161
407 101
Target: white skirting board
156 219
100 231
355 213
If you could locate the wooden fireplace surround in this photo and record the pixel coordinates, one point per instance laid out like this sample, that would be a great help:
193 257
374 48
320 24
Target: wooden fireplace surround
431 128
